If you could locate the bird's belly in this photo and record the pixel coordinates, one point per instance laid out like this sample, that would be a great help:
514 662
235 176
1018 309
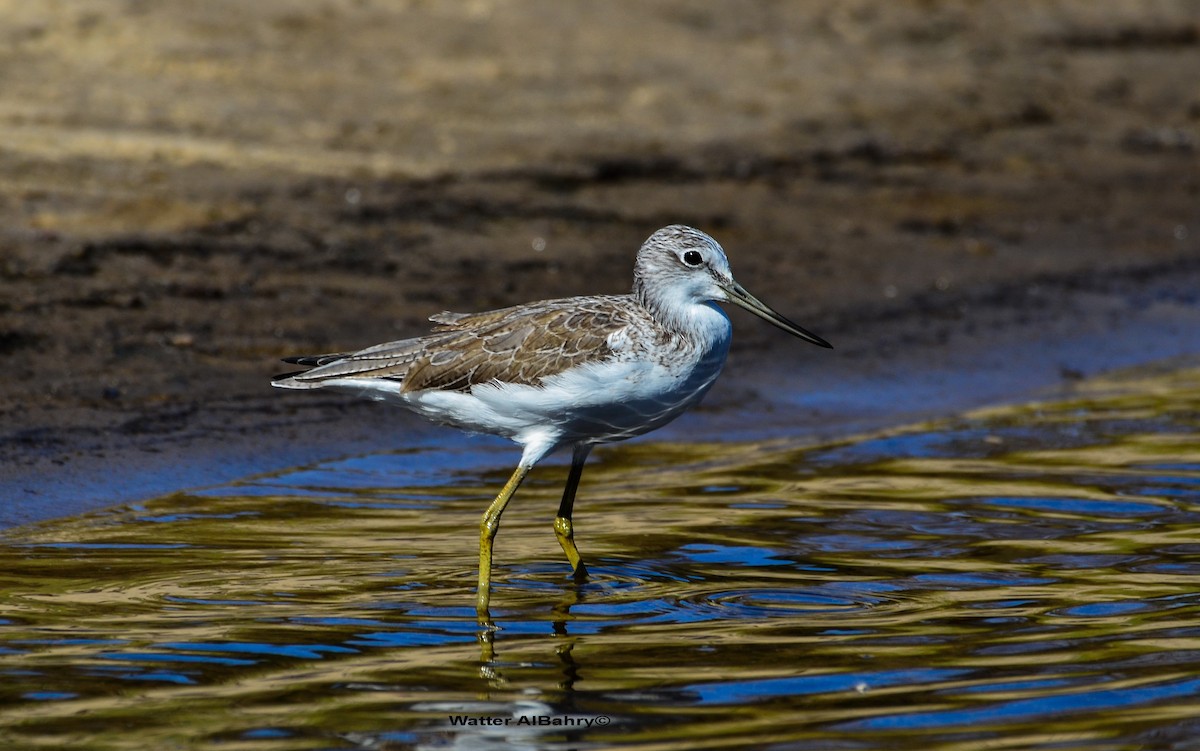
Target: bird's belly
596 403
618 420
640 409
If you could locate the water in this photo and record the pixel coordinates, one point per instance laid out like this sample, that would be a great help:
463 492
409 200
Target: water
1020 578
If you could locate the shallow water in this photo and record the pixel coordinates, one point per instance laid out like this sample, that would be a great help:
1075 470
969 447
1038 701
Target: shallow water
1019 578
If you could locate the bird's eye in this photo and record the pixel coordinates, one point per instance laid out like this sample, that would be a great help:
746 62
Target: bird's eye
693 258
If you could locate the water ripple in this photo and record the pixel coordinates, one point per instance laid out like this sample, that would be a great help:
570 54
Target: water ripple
1008 579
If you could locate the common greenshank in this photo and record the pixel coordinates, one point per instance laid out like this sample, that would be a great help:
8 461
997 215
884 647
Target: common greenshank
575 372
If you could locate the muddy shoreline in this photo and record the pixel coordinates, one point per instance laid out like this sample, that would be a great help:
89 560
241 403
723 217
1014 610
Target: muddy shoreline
955 192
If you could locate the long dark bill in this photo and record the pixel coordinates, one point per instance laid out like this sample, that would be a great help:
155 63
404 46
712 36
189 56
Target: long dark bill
740 297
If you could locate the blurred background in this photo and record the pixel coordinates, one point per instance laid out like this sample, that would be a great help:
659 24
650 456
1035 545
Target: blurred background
190 190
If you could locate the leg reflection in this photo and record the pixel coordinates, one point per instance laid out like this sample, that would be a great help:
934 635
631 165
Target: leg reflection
564 643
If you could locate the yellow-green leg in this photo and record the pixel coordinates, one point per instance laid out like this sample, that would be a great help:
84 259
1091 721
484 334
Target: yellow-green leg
564 530
488 526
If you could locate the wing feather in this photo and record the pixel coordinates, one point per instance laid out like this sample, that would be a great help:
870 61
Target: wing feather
521 345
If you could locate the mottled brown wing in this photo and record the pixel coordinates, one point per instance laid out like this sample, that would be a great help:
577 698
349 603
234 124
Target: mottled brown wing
516 345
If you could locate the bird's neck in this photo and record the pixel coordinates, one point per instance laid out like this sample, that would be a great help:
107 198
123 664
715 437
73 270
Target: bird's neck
703 324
